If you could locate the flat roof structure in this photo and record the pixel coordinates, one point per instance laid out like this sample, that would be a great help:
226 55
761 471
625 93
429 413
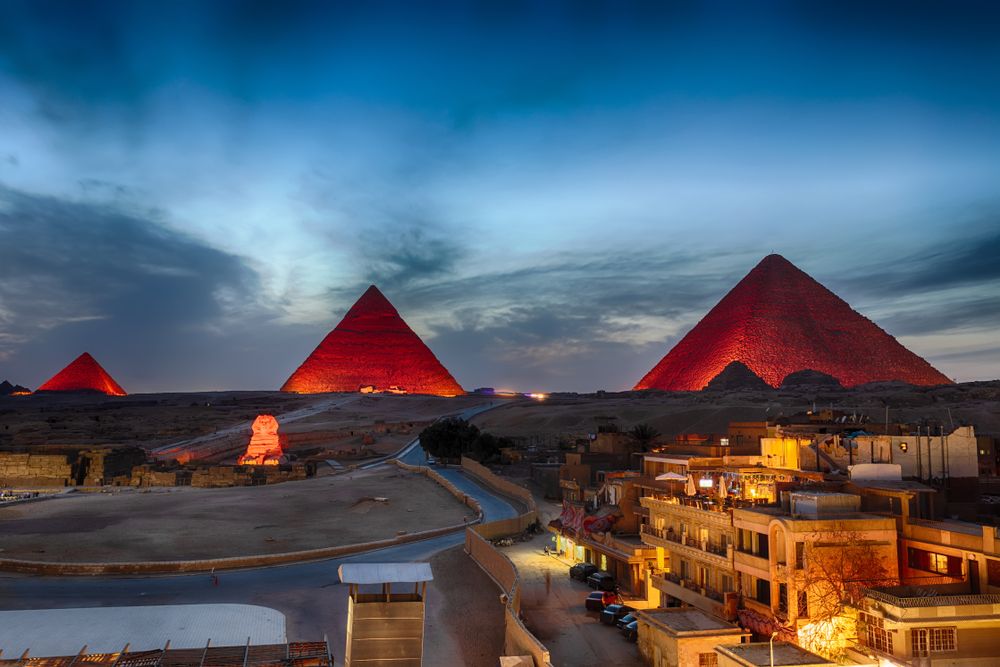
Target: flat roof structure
55 632
758 654
682 620
384 573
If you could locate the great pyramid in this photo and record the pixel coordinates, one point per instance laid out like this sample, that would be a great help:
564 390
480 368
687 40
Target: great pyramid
777 321
372 349
84 374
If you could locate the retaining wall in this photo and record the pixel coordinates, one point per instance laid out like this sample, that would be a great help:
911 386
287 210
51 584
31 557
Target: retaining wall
518 640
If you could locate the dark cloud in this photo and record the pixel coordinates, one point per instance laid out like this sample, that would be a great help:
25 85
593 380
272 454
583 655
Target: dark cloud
163 309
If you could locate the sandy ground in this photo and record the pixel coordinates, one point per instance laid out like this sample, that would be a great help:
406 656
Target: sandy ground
186 523
573 416
151 420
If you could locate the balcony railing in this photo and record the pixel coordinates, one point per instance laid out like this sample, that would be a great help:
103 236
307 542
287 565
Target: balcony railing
693 586
707 547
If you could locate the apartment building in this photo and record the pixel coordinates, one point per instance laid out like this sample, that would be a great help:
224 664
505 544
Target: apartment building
793 562
922 627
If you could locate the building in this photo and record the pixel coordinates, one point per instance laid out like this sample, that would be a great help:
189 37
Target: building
694 554
766 654
670 637
921 627
796 562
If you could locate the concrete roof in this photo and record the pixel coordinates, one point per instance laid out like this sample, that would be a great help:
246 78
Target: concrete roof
785 655
688 619
384 573
55 632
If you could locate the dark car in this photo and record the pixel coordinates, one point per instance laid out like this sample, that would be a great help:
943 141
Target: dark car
613 612
602 581
582 570
595 602
631 631
625 620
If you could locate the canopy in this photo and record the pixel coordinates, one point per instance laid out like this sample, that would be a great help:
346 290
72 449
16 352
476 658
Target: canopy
671 477
384 573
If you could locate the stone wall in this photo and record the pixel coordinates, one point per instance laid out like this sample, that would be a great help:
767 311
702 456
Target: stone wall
22 469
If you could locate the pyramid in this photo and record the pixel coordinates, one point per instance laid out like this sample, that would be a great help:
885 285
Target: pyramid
84 374
372 349
777 321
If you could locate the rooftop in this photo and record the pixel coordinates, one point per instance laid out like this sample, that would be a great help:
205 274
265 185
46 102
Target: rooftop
914 596
690 619
785 655
384 573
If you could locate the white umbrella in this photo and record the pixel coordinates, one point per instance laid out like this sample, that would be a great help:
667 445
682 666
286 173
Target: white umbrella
670 477
691 489
723 492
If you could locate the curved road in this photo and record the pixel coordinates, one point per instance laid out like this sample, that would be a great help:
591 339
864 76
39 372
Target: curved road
309 594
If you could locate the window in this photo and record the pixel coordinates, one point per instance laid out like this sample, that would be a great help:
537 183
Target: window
685 570
993 572
800 555
783 598
763 591
726 583
929 561
925 641
708 659
876 636
803 602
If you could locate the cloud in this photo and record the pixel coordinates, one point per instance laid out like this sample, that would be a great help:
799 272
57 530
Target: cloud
122 284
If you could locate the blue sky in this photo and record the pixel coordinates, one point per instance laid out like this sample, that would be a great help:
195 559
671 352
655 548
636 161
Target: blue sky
551 193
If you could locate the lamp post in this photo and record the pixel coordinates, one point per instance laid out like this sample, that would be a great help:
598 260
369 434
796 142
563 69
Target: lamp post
770 643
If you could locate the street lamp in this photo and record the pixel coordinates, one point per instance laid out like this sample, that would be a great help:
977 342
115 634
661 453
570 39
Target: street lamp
770 643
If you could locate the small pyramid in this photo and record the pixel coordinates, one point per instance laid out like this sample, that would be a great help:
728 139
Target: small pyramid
737 377
84 374
372 349
777 321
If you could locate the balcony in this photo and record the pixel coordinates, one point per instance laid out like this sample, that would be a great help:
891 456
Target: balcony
705 514
689 592
752 563
686 545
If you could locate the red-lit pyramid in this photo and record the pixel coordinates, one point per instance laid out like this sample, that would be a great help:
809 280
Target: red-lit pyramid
777 321
372 349
84 374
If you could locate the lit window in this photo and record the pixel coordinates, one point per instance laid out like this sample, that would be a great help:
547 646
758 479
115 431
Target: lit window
876 636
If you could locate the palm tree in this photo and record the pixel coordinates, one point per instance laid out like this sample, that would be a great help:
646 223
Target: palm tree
644 434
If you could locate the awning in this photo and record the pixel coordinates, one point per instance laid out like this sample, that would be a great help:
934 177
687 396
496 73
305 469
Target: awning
384 573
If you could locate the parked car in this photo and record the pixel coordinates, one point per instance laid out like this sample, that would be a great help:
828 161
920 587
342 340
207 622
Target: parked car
431 461
595 601
602 581
582 570
613 612
631 631
625 620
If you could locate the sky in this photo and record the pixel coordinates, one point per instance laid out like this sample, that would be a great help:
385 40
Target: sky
551 193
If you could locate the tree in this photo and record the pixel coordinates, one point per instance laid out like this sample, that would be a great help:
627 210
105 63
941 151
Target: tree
836 574
644 434
453 438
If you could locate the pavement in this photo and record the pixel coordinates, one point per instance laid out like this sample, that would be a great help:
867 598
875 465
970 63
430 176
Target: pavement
109 629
